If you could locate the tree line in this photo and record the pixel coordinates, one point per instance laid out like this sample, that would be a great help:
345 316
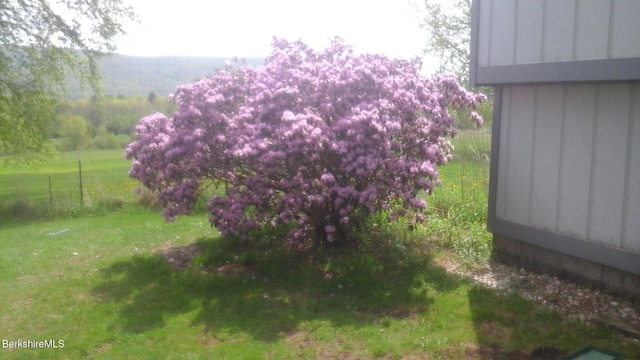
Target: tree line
102 123
40 42
43 43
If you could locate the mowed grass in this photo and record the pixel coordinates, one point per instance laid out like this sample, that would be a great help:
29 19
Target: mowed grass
52 188
124 284
105 289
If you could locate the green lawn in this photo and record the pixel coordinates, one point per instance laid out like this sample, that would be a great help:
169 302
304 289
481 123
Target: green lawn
52 189
101 281
103 172
103 289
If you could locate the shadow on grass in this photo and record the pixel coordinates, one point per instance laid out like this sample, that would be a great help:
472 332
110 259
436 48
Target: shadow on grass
509 327
266 291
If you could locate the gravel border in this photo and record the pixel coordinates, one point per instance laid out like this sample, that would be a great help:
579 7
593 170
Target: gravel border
567 298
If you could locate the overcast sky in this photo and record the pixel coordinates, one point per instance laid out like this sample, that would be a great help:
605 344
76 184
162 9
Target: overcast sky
245 28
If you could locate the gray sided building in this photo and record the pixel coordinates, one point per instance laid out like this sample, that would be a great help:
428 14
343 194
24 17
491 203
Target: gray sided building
565 160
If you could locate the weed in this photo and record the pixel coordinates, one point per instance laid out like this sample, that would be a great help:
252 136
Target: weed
147 199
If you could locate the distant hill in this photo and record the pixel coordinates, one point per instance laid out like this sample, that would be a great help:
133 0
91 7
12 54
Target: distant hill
138 76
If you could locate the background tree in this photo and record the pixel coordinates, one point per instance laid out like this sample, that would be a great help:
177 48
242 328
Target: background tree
312 141
75 131
448 24
449 40
104 139
41 42
25 124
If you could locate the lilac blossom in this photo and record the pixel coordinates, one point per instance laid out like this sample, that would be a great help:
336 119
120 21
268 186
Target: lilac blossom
312 140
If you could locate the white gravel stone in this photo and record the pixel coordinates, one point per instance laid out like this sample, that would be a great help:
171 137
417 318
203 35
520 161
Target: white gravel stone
566 297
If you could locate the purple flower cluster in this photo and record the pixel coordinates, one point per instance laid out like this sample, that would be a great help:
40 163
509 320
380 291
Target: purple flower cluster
310 139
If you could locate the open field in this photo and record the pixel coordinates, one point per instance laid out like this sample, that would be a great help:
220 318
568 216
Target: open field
103 171
120 283
52 188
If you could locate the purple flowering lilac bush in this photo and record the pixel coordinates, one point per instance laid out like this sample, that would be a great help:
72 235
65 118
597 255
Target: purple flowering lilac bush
315 141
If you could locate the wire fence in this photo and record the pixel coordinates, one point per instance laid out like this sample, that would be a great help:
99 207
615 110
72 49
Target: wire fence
69 182
100 177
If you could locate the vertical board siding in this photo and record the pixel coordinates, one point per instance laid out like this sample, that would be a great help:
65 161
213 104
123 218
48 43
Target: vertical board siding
592 29
631 234
546 157
503 31
609 164
536 31
569 161
518 158
559 31
626 29
576 161
503 150
529 32
484 33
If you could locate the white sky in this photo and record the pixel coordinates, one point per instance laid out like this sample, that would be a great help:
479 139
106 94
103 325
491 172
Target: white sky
245 28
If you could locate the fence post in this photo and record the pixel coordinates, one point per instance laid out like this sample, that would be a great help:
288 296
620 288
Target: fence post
50 192
80 173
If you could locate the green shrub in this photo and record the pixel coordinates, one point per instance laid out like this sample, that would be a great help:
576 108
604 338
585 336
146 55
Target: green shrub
106 140
74 130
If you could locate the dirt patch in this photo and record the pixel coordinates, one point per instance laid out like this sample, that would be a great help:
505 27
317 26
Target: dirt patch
302 340
232 268
493 330
103 348
493 352
404 311
179 257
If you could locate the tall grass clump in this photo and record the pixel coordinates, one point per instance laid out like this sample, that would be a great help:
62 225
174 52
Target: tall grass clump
458 208
24 208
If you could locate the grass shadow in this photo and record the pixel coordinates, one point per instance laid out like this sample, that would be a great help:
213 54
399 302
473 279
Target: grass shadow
265 291
509 327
